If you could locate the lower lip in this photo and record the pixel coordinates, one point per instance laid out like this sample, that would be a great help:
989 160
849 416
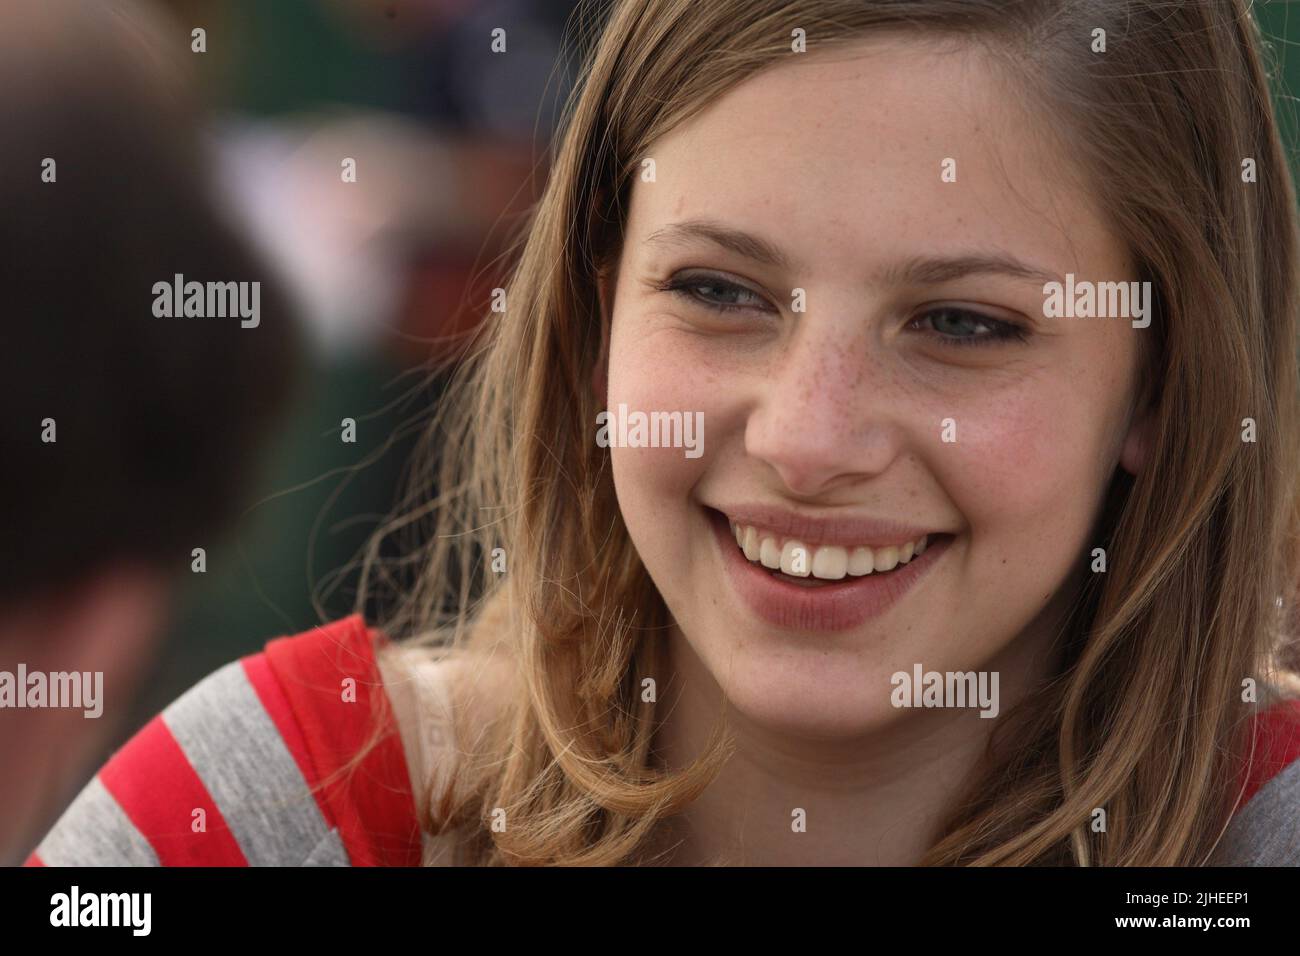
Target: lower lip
836 606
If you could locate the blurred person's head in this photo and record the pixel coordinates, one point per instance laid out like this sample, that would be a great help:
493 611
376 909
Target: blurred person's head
713 178
128 437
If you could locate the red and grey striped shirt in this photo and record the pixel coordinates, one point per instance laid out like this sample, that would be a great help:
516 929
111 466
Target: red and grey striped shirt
251 767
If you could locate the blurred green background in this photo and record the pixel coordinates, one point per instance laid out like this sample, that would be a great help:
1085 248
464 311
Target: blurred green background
286 70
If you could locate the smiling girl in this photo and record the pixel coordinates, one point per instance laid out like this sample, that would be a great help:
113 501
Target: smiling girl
828 228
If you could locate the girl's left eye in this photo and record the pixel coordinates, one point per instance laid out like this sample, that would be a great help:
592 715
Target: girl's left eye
957 326
714 293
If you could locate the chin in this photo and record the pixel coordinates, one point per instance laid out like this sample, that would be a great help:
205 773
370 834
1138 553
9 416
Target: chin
798 690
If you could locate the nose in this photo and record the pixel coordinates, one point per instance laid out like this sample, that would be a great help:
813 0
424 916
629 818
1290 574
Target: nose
827 417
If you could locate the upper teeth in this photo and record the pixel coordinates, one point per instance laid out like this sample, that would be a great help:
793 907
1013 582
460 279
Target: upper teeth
827 561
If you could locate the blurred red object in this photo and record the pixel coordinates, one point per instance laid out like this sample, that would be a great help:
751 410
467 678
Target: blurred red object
450 285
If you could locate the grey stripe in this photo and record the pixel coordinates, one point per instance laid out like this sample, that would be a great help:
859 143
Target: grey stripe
94 831
1266 832
329 852
238 753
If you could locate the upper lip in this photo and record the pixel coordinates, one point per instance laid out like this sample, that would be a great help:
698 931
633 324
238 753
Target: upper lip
824 529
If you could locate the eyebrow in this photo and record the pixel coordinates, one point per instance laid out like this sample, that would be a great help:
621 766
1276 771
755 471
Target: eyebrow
742 243
917 270
933 270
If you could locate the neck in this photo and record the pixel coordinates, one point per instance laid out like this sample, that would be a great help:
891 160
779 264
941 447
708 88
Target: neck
877 799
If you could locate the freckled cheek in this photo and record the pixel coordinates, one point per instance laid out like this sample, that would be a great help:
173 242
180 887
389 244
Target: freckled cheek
670 373
1025 463
654 484
645 377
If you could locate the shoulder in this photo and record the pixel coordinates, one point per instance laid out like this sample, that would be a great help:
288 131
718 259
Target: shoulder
1265 830
444 702
286 757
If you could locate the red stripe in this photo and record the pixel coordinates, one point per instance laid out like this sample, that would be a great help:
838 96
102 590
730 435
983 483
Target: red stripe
372 803
34 860
152 781
1277 744
268 690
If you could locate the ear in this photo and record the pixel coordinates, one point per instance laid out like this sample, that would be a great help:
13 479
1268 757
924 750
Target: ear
1137 443
606 283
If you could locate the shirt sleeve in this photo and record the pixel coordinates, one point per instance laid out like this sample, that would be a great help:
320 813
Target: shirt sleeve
1265 831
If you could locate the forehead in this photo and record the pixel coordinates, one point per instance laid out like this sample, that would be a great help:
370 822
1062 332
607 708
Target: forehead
838 156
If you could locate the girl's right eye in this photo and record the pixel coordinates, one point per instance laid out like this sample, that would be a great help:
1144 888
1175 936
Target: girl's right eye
714 293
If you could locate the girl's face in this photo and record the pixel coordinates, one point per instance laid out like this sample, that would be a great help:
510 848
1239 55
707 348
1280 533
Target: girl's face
865 341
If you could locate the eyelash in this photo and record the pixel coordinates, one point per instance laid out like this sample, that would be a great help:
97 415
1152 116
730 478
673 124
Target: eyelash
1000 330
683 286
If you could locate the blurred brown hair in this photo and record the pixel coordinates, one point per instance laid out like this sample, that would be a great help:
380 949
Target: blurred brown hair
157 418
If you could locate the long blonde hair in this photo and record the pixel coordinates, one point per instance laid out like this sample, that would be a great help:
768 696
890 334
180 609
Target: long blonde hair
1146 718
